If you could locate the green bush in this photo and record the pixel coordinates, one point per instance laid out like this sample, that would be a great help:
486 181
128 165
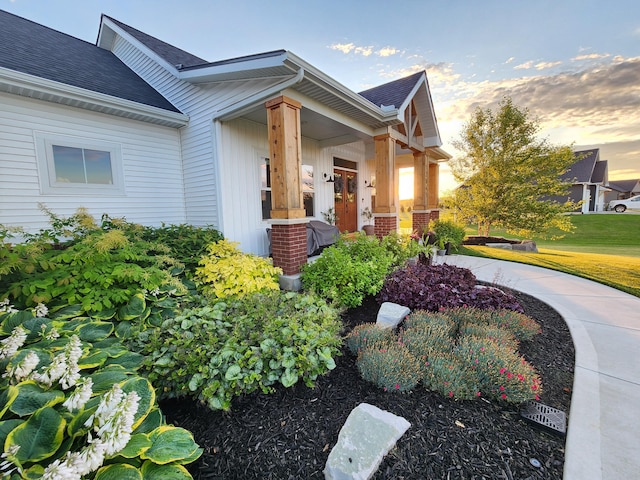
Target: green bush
216 352
367 334
448 231
390 366
521 326
99 270
449 376
72 403
349 270
227 272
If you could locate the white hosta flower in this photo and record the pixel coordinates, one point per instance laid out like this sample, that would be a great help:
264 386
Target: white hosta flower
7 467
64 366
53 372
116 432
10 345
80 395
60 470
41 310
6 307
53 334
23 369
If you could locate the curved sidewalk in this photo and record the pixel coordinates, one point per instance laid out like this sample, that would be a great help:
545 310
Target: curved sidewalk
603 435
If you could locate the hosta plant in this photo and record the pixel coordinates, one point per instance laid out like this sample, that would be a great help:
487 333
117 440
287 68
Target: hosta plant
72 404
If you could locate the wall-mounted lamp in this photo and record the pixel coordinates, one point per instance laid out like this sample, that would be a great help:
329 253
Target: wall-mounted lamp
369 184
328 178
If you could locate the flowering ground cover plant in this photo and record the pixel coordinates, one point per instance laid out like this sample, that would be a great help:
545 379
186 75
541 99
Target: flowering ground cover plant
461 353
72 404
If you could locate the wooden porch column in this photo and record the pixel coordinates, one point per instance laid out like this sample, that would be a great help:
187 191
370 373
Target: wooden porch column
420 217
385 214
288 239
433 199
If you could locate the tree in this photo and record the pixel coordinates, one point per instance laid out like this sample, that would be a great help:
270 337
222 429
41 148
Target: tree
509 177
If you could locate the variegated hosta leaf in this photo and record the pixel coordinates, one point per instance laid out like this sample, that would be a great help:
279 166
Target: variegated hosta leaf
153 471
32 397
171 444
39 437
118 471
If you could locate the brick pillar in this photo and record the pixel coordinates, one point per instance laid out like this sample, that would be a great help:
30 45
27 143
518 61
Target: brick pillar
289 246
385 224
434 214
420 220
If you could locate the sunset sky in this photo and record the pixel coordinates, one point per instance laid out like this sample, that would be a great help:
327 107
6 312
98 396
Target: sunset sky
575 64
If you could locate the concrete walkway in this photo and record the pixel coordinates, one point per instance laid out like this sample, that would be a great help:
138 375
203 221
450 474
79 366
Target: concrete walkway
603 434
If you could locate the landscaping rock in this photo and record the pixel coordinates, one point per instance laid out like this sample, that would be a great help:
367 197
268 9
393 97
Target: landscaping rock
365 438
506 246
391 314
526 246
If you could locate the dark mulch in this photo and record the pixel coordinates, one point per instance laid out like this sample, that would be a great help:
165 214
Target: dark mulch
289 434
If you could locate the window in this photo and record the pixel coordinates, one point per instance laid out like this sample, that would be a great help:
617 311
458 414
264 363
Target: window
265 188
76 166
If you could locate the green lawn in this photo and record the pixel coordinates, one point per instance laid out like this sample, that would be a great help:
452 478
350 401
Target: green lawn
604 248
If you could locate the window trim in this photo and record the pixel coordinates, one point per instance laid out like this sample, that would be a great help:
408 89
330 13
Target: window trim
47 173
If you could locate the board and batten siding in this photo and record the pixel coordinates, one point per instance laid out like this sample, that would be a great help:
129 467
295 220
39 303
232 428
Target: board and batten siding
200 103
152 173
244 143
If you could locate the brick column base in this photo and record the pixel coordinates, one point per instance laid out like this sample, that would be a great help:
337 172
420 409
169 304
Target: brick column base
289 247
385 225
420 221
434 215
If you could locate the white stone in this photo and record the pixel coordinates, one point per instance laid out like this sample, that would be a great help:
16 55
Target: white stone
391 314
366 437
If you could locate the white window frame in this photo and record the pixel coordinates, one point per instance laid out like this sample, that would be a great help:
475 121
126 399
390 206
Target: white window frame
46 164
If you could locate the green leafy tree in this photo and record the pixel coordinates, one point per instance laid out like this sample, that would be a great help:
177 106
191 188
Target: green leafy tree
510 178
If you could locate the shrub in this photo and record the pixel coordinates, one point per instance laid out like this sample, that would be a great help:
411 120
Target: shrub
100 270
72 400
502 373
448 231
367 334
349 270
432 287
227 272
428 340
450 377
389 366
518 324
216 352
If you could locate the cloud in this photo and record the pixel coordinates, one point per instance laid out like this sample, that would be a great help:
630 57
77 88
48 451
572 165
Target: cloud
546 65
387 51
509 60
524 66
343 47
365 51
590 56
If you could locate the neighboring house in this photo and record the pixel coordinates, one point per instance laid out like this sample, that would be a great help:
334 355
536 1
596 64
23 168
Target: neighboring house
589 176
135 127
622 189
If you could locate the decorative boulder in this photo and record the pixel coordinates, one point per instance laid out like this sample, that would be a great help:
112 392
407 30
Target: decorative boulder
365 438
391 314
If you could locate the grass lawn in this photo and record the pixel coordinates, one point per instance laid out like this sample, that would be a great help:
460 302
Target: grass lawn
604 248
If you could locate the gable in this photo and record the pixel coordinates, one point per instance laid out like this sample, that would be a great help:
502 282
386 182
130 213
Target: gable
582 170
33 49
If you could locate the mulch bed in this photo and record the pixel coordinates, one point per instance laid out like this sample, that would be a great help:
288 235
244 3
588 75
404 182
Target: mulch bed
289 434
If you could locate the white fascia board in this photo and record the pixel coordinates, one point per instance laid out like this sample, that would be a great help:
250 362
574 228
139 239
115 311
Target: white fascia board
208 73
42 88
106 39
332 86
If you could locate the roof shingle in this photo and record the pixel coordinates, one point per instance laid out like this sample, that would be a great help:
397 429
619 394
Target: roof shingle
392 93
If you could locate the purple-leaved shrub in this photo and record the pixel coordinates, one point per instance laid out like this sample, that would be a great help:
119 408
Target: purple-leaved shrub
434 287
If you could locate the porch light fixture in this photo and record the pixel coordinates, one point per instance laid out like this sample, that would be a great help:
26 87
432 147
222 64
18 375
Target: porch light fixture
368 184
328 178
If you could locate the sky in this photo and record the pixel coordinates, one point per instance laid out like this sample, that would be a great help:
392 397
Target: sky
574 64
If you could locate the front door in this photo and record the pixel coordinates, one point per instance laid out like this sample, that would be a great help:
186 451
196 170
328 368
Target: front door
345 199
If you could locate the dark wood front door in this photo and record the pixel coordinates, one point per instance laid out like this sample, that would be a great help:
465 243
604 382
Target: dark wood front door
346 199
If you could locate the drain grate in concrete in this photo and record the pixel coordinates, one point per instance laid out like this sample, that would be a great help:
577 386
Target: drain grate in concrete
547 417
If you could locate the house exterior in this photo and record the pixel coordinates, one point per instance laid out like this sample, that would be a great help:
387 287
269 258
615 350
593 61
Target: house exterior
135 127
622 189
589 177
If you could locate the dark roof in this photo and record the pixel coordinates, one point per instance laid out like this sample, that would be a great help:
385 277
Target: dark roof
171 54
34 49
599 174
393 93
582 170
626 186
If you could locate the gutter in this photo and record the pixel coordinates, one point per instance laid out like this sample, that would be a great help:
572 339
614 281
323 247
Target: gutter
245 105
